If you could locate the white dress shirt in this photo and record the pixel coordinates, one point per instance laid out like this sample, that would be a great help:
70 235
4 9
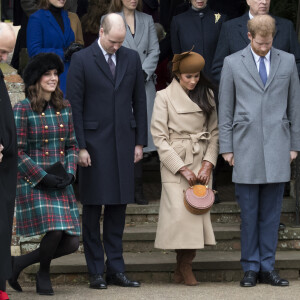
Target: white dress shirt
106 55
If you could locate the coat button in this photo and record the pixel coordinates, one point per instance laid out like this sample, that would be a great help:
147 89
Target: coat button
62 139
58 113
46 127
47 153
61 125
144 51
46 141
43 114
61 152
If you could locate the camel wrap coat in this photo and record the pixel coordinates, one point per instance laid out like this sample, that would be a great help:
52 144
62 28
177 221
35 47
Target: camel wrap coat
183 137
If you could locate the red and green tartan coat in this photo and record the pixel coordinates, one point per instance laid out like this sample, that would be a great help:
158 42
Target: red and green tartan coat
43 139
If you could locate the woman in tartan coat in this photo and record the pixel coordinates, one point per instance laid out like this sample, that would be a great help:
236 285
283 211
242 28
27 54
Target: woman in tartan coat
45 203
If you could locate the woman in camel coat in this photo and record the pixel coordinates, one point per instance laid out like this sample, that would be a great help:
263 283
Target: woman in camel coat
185 133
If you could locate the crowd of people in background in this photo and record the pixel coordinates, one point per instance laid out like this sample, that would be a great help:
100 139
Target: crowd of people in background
144 79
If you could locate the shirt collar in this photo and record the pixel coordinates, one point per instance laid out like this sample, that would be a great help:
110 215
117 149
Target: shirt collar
257 57
106 55
250 15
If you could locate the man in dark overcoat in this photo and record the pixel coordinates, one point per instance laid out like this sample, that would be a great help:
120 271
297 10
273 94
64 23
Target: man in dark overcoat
8 162
233 36
106 89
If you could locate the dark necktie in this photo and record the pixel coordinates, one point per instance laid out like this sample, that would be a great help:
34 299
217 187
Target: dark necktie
112 65
262 70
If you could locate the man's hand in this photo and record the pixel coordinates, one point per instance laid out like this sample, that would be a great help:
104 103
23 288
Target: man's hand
229 158
293 155
84 158
189 175
1 155
138 153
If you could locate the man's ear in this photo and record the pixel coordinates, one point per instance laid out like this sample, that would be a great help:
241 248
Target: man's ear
249 36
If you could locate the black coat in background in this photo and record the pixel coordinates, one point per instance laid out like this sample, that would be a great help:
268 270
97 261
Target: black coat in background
110 119
8 178
233 38
200 29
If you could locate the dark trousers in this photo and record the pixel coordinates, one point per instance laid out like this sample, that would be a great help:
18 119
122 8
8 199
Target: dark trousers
113 227
260 213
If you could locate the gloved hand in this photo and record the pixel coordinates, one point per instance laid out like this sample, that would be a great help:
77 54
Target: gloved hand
68 52
188 175
204 172
50 181
66 181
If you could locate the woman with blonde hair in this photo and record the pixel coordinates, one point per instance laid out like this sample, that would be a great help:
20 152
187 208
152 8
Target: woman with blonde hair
185 132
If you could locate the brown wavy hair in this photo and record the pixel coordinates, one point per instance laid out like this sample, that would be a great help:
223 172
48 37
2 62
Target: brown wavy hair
44 4
117 6
90 22
34 94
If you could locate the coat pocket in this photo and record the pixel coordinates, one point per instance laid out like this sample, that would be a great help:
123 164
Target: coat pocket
90 125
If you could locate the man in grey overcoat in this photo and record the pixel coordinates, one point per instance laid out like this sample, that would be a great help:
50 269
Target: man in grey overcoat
259 123
105 87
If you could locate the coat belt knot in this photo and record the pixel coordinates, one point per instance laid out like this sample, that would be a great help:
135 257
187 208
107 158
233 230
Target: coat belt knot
193 147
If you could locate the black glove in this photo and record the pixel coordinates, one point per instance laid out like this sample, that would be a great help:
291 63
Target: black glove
66 181
50 181
74 47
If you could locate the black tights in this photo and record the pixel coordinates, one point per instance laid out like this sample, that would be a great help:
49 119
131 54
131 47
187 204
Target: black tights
53 245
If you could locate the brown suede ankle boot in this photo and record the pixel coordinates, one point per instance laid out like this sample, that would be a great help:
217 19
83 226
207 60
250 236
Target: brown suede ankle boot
178 278
186 267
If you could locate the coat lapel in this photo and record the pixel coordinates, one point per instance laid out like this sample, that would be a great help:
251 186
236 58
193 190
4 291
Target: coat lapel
101 61
122 62
139 27
243 30
181 102
275 61
55 25
128 42
249 63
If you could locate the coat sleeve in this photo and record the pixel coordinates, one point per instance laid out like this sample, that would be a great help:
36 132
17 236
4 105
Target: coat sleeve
75 94
35 37
294 45
175 42
221 52
160 133
26 166
71 147
76 27
293 110
226 108
139 105
212 150
150 63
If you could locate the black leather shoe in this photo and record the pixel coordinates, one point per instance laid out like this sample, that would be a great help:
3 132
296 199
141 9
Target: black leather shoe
281 227
272 278
139 197
121 280
97 282
249 280
13 280
43 284
217 199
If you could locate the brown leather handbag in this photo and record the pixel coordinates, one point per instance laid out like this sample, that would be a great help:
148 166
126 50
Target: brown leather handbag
199 199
